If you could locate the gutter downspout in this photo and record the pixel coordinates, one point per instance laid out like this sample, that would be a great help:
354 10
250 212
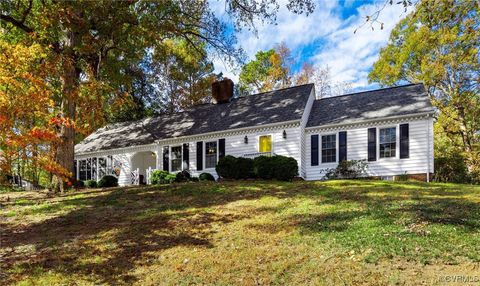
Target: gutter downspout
428 150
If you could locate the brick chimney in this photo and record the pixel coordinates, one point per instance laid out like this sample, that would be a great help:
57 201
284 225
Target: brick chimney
222 91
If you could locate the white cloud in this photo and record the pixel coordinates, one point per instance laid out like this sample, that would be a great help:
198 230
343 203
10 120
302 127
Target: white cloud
349 56
295 30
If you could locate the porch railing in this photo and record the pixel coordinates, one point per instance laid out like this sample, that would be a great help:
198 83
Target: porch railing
148 175
135 177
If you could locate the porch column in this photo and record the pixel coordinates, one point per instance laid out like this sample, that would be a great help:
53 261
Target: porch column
78 170
158 163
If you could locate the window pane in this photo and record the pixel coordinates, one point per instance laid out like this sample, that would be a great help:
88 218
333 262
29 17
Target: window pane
176 161
210 154
89 169
388 142
102 167
83 170
329 148
265 143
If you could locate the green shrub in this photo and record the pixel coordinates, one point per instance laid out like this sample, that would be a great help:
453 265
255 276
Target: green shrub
158 177
91 184
244 168
206 177
348 169
194 179
182 176
230 167
263 167
277 167
79 184
451 169
170 178
107 182
226 167
284 168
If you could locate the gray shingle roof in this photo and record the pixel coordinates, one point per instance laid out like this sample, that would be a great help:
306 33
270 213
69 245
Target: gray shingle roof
375 104
254 110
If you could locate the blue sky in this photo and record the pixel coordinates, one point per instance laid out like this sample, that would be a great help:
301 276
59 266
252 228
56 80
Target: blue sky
323 38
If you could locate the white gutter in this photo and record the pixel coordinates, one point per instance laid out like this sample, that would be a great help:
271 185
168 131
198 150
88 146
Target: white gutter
428 151
158 142
369 120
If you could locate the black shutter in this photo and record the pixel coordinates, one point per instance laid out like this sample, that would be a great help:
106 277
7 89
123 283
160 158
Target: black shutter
186 157
372 144
199 155
165 158
314 150
221 148
404 142
342 146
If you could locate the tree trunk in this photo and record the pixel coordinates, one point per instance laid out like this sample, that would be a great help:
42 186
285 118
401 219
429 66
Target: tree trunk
65 149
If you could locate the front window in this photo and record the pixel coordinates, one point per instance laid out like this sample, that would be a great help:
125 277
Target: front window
388 142
102 170
176 158
329 148
83 170
265 143
210 154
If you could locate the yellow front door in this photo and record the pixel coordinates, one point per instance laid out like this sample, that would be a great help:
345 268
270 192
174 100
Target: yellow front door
265 143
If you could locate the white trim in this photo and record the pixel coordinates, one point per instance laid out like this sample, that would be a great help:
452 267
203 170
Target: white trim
321 149
190 138
204 155
428 151
272 149
170 158
370 122
397 146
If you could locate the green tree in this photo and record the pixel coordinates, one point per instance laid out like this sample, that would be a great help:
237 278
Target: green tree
269 70
438 45
182 79
95 43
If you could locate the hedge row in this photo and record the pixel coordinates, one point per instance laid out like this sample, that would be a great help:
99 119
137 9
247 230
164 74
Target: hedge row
263 167
163 177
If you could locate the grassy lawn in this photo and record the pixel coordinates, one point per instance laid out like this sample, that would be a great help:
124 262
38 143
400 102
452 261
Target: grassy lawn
242 233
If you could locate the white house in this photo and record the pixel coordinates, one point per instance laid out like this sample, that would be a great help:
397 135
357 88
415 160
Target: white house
392 128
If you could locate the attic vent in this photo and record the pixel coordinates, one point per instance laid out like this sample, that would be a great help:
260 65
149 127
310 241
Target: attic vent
222 91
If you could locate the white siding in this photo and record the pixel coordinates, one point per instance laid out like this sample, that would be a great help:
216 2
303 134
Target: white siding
421 150
235 146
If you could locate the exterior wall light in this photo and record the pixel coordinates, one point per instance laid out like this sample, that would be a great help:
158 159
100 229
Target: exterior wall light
245 140
284 134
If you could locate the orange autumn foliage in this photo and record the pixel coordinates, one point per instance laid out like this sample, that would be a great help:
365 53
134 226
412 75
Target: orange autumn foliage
28 128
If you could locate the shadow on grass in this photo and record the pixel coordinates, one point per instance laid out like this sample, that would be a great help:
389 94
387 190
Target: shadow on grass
138 221
132 220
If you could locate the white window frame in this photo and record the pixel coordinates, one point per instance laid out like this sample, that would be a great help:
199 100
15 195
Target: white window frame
321 144
204 155
258 142
397 146
170 158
